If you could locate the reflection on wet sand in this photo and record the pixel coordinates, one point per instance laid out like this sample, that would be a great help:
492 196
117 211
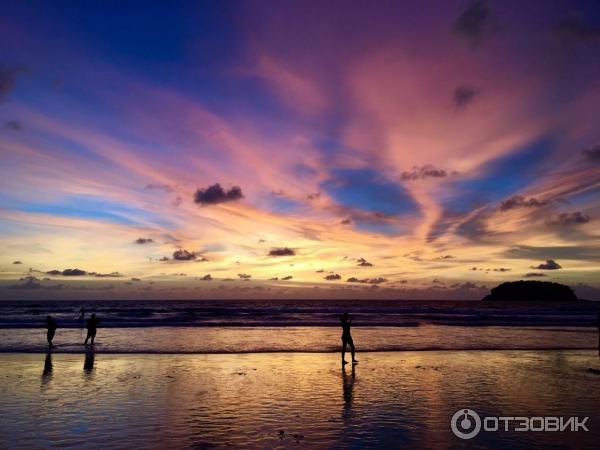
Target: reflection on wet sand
348 385
88 363
279 400
47 373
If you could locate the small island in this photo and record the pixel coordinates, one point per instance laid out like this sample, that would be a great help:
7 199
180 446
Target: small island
534 291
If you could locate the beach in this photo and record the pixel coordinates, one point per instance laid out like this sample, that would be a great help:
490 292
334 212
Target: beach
291 400
253 374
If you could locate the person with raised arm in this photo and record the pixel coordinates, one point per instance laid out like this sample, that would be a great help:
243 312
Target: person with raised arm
347 338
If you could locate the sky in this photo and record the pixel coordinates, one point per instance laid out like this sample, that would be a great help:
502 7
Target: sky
298 149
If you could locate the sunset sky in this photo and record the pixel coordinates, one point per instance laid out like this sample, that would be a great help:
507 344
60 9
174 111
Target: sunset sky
298 149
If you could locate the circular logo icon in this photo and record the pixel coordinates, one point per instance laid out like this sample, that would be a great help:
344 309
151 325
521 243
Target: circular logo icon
465 423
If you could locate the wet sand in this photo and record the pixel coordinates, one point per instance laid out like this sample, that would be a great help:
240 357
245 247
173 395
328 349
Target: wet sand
285 400
300 339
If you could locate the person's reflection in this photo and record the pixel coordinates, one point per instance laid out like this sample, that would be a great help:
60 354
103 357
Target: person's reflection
88 363
47 373
348 385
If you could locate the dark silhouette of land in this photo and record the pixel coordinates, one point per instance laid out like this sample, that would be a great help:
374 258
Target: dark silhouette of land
347 337
51 325
535 291
92 327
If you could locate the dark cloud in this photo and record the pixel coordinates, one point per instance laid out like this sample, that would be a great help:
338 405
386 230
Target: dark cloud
320 271
68 272
8 78
164 258
282 251
289 277
17 262
332 277
592 153
550 264
366 280
576 29
32 283
206 277
364 263
215 194
534 275
313 196
29 284
498 269
346 222
184 255
142 241
244 276
569 219
105 275
136 279
463 95
446 257
476 23
518 201
274 279
79 273
14 125
426 171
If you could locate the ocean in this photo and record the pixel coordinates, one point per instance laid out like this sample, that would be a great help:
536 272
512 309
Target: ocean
248 326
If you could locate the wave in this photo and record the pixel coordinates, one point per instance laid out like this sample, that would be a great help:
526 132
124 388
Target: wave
286 313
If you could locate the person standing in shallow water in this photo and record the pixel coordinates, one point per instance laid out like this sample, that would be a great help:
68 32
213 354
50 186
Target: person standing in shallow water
92 326
347 338
51 325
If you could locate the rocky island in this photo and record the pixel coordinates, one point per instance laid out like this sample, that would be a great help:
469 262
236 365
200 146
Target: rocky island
535 291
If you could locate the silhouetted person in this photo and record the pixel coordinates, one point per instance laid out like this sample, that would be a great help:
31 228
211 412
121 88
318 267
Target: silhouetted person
51 325
81 314
88 363
347 337
92 326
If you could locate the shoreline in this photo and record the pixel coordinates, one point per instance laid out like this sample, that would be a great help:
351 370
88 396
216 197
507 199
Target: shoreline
89 349
228 340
